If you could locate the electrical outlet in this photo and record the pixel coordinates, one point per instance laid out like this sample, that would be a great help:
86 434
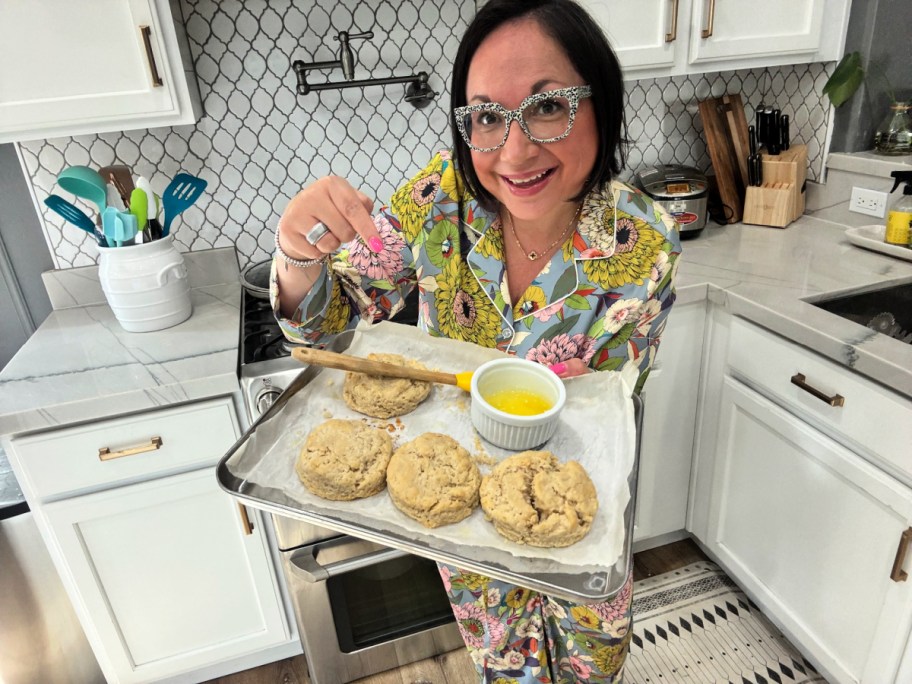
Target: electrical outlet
870 202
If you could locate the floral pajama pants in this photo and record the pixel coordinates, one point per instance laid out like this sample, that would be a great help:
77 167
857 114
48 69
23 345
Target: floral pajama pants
518 636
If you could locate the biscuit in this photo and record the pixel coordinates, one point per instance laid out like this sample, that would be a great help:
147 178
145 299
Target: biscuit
434 480
344 460
532 498
385 397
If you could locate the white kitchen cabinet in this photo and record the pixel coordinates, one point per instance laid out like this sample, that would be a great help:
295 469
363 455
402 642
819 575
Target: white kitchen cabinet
168 579
669 416
812 532
655 38
71 68
800 498
644 34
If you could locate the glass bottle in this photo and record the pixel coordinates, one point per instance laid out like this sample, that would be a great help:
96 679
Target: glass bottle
894 134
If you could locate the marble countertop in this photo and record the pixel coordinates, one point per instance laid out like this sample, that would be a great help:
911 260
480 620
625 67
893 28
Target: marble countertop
770 276
80 365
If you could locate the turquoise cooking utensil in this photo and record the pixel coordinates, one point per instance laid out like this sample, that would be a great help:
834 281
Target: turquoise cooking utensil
76 216
85 183
181 193
119 226
129 227
110 217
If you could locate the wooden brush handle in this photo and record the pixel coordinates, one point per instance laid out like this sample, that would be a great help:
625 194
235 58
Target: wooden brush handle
328 359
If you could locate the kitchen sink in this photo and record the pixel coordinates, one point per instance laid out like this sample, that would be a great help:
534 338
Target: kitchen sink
888 310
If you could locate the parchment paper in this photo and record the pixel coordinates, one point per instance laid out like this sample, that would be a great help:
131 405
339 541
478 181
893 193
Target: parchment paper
596 429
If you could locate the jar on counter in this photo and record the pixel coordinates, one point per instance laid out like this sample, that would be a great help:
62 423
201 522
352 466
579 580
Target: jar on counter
894 134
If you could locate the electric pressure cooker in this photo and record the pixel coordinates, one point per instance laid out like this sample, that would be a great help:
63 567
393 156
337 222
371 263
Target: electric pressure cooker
681 191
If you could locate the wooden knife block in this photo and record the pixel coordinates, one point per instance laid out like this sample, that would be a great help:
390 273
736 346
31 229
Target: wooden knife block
780 200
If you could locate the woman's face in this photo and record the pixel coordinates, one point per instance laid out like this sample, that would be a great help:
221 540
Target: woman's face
533 181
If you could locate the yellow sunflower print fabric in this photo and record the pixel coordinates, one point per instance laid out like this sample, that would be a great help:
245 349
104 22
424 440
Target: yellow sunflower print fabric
603 297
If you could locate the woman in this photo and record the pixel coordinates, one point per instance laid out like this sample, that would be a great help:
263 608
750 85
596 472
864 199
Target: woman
520 240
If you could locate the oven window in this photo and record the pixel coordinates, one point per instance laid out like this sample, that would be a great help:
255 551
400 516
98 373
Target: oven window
386 601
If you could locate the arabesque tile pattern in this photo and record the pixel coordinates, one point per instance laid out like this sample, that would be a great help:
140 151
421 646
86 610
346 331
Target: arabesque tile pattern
258 142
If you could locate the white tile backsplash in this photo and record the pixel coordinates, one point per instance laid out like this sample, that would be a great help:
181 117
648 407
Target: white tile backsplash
258 142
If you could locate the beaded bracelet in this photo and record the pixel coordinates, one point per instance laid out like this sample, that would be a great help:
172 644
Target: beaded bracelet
298 263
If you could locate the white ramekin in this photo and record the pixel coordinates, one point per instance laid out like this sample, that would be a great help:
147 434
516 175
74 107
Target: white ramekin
506 430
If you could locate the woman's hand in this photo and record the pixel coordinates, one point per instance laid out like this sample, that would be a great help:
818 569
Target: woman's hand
570 368
315 223
324 215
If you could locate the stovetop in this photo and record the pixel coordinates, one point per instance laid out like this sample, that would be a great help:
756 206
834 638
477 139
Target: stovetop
266 366
261 337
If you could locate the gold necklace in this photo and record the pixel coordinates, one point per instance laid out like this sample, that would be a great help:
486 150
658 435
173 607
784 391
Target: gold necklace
533 255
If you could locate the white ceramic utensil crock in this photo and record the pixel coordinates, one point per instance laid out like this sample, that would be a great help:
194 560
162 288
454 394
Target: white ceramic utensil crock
516 432
146 285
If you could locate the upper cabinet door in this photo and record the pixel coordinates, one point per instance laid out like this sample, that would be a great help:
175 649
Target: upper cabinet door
89 67
722 30
644 34
658 38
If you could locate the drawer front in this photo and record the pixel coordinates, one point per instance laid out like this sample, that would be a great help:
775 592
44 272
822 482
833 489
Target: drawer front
126 449
872 417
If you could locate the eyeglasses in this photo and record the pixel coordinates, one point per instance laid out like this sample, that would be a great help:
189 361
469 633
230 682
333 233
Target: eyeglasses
544 118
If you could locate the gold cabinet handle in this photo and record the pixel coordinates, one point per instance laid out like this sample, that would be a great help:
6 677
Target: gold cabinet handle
672 35
246 523
105 453
898 574
801 381
150 57
708 31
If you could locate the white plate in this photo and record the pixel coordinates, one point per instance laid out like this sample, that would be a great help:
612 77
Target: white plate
871 237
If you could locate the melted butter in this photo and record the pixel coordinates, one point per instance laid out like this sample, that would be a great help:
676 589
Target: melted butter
518 402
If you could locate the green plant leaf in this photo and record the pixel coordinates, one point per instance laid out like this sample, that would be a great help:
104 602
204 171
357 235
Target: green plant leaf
845 80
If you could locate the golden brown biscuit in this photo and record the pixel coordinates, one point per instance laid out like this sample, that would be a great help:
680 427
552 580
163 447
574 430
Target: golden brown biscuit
344 460
433 480
385 397
532 498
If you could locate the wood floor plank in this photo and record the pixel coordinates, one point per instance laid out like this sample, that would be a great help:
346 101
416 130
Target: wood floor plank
457 667
288 671
666 558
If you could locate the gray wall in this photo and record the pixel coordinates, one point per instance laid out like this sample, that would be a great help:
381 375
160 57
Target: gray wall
24 255
881 30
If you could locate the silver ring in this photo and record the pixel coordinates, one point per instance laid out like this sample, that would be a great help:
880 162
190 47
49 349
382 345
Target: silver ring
315 234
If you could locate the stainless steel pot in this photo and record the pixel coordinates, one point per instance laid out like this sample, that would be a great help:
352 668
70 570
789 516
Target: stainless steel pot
681 190
255 279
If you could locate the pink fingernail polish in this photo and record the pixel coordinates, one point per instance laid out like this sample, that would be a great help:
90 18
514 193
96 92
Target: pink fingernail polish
558 367
375 244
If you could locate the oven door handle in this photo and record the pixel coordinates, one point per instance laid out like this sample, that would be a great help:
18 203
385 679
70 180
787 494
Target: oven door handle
308 568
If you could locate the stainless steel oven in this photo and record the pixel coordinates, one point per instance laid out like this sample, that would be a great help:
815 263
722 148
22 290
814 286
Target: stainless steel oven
361 608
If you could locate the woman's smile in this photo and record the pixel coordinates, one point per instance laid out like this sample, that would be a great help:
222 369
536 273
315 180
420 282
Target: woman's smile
529 183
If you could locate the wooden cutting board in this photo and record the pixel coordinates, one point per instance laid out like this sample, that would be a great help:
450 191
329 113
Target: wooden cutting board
725 128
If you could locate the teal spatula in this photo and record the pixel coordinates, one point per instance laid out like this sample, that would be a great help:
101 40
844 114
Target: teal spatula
181 193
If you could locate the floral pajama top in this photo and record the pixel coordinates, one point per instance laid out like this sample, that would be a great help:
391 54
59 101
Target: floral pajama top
603 298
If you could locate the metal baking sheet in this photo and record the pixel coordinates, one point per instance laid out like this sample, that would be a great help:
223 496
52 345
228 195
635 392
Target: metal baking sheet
564 580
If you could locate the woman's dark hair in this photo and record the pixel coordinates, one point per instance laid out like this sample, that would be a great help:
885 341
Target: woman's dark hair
590 54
